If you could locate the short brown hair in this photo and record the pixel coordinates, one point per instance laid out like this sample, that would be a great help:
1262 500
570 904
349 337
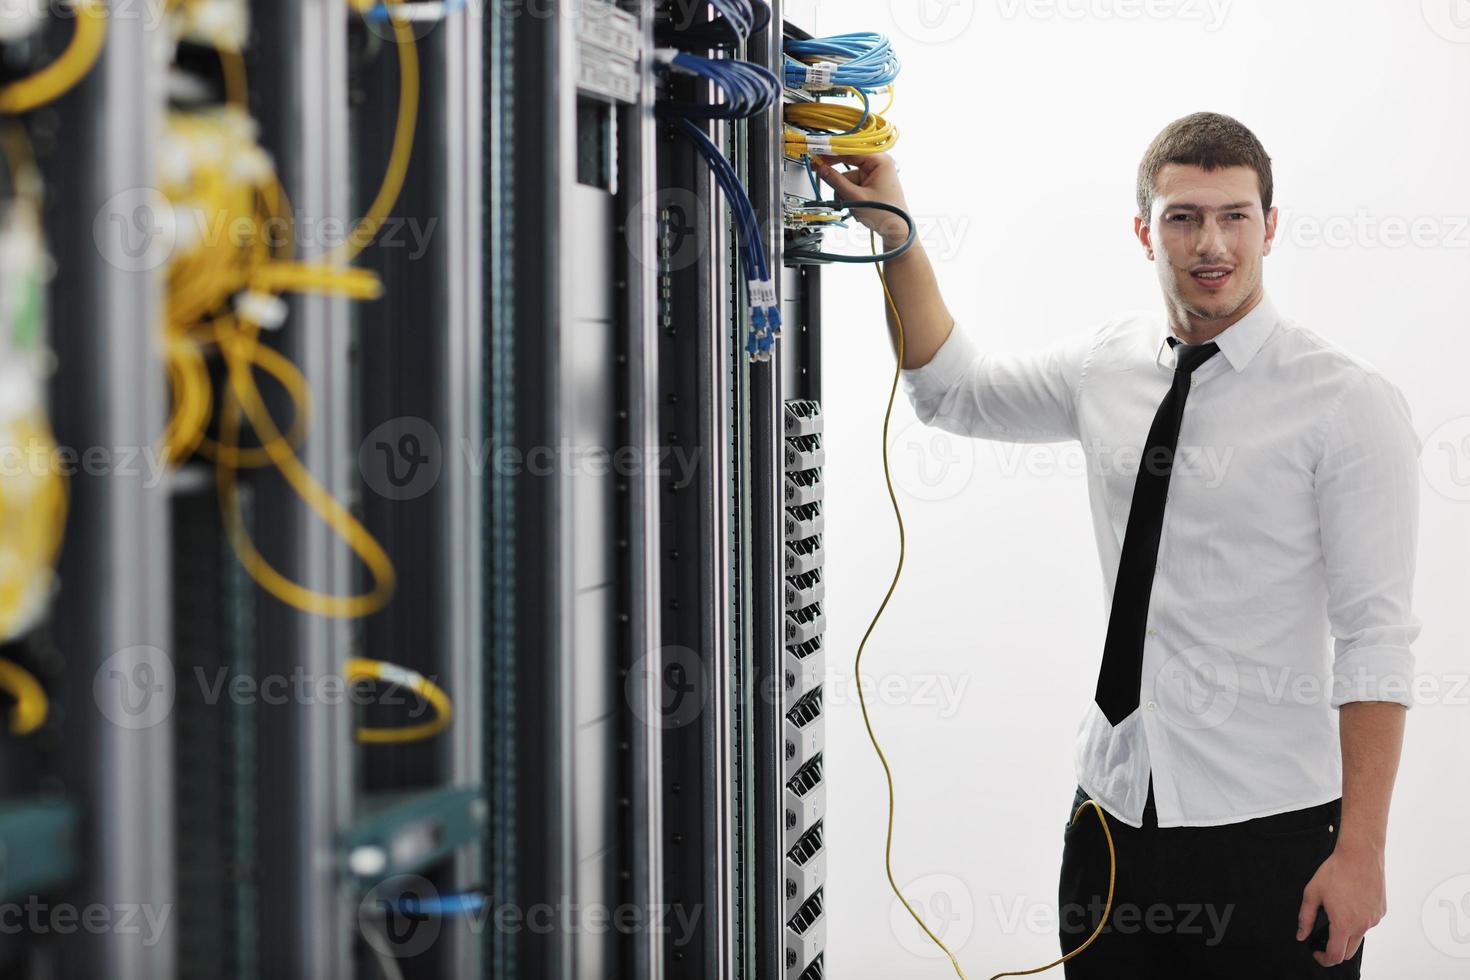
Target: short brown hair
1203 139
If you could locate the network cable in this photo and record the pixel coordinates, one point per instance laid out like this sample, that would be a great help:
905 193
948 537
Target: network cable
863 703
805 255
737 21
815 127
765 312
748 89
442 905
221 297
61 75
862 60
361 669
31 705
831 127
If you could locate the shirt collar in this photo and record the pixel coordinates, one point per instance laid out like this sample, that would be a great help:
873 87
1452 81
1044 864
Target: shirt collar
1238 342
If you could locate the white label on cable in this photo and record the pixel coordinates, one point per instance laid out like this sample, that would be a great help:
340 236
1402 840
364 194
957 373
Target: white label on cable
762 292
820 74
818 143
401 676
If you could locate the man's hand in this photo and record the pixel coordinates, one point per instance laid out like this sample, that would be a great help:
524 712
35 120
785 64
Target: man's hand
875 179
1350 886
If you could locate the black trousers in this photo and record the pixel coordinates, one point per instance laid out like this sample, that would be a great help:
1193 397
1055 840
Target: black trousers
1195 902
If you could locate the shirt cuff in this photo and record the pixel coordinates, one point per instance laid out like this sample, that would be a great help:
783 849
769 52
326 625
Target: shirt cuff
946 367
1380 673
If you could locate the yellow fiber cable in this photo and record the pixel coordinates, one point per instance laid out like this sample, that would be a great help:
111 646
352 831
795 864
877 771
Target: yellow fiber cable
33 508
30 698
192 398
360 669
58 78
202 283
280 367
241 350
832 120
367 227
288 277
863 703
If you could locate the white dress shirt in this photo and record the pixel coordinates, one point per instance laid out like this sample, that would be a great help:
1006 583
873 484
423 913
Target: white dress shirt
1292 510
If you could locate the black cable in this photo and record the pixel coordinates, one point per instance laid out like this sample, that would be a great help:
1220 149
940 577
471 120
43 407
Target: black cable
806 256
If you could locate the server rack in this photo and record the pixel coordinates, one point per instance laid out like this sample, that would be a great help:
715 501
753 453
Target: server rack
572 612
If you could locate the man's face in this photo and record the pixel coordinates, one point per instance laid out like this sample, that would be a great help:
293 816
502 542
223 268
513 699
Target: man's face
1207 234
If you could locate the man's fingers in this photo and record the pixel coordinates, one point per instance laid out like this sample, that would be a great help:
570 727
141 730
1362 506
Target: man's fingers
1306 918
1337 941
838 180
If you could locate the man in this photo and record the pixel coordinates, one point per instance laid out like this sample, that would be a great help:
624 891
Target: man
1244 766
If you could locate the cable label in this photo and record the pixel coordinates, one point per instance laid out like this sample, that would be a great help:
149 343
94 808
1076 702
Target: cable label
819 75
762 292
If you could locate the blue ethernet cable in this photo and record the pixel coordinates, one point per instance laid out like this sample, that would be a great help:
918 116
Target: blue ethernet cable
748 89
765 312
863 60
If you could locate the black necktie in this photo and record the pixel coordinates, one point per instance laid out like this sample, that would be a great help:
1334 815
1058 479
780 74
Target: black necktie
1121 676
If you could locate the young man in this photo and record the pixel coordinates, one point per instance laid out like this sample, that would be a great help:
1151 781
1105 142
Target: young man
1252 487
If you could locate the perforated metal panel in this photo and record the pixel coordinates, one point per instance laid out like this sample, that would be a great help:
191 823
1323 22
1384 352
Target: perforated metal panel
805 805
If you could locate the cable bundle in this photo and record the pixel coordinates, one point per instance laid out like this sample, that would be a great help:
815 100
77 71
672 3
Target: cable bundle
223 289
737 20
748 89
834 128
862 60
765 313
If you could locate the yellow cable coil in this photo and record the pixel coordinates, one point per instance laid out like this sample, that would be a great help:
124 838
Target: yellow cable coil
30 698
361 669
821 127
32 518
229 186
59 77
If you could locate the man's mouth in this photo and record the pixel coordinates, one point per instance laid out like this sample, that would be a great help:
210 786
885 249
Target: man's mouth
1212 276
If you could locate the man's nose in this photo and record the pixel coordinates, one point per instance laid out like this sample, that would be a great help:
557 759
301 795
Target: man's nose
1211 239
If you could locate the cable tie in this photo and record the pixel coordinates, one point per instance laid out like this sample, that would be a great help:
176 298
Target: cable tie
265 309
819 75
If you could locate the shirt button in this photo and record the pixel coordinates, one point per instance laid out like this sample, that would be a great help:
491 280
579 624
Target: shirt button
1153 632
1151 706
1193 381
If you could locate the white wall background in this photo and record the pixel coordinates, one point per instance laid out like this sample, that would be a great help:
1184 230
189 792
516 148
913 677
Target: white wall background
1022 125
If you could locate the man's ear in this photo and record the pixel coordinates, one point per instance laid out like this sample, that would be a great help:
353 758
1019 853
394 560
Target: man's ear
1270 230
1145 235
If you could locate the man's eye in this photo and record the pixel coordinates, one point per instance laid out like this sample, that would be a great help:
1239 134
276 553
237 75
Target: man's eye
1237 214
1181 217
